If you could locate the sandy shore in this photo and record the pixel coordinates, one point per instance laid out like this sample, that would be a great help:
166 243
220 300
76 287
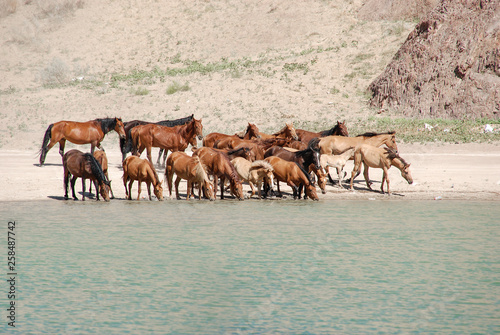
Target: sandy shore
451 171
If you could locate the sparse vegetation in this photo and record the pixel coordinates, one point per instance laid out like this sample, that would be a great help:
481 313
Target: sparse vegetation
56 73
176 87
139 91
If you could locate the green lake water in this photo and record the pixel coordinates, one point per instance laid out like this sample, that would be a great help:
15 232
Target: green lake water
254 267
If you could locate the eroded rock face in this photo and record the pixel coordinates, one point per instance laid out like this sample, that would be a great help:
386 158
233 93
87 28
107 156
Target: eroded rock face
449 66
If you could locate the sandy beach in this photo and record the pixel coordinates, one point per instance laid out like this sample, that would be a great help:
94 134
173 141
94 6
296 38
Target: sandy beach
440 171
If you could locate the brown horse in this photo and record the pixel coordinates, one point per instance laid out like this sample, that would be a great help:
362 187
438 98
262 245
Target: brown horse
219 165
101 157
191 169
335 145
339 129
169 138
77 164
92 132
126 143
254 173
135 168
382 158
292 174
251 132
255 151
288 131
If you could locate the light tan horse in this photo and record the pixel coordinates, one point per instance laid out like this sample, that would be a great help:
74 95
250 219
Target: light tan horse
142 170
335 145
254 173
382 158
288 131
336 161
190 169
293 175
101 157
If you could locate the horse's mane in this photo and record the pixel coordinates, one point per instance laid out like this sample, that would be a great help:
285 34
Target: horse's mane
176 122
261 165
233 151
200 172
154 171
305 173
107 124
311 147
96 168
371 134
392 154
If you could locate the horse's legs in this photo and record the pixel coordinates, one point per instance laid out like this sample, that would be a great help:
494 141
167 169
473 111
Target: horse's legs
355 171
66 183
222 181
164 156
177 182
139 189
62 143
215 186
96 188
386 179
148 153
253 189
148 185
367 178
83 189
73 181
189 189
130 189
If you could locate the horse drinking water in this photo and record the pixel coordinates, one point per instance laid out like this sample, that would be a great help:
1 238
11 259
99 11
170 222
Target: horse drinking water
135 168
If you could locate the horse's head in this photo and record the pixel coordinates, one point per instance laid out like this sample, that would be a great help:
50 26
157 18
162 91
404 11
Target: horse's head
322 180
290 131
252 131
104 188
198 128
342 129
391 140
209 190
311 192
405 172
237 189
158 191
120 128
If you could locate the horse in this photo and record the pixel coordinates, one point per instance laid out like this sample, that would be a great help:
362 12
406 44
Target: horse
243 152
135 168
254 173
382 158
335 145
219 165
292 174
336 161
92 132
339 129
126 143
286 132
169 138
77 164
255 152
251 132
101 157
191 169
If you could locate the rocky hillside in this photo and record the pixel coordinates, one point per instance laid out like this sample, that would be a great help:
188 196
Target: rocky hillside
449 66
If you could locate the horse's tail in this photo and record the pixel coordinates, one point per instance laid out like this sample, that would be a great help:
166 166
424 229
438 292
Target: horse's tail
46 139
308 177
201 173
136 142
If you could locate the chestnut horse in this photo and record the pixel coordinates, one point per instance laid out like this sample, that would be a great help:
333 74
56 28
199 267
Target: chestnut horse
339 129
135 168
126 143
251 132
219 165
334 145
92 132
254 173
101 157
292 174
169 138
382 158
77 164
191 169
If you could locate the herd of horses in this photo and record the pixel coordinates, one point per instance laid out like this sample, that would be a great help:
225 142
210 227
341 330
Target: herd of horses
302 159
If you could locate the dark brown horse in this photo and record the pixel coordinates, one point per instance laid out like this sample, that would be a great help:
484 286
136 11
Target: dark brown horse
126 143
251 132
339 129
77 164
92 132
101 157
169 138
219 165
